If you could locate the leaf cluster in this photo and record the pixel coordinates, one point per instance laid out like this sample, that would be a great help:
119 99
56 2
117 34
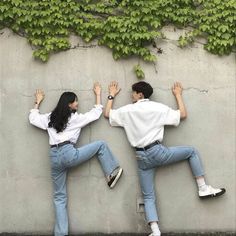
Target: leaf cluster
127 27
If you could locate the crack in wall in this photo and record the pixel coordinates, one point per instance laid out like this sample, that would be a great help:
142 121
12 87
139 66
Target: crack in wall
195 88
207 90
155 67
78 46
83 46
58 90
191 45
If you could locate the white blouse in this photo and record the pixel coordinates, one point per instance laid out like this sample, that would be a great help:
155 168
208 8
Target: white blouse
73 128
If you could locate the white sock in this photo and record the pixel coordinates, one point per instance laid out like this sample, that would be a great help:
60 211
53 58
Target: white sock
155 228
201 183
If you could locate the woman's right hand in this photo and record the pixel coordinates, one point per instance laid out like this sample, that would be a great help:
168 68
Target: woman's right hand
39 96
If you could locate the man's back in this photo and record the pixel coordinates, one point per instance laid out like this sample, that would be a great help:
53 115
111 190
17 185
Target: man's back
144 121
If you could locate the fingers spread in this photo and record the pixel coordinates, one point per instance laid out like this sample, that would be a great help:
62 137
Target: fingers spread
97 84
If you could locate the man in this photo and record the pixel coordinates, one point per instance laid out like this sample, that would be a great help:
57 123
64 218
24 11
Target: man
144 122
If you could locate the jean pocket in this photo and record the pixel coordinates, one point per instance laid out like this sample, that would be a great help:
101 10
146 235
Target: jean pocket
55 161
70 158
143 162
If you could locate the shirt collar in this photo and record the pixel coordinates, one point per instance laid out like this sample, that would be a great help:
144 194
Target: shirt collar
143 100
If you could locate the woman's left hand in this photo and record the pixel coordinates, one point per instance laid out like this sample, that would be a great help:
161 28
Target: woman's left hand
97 88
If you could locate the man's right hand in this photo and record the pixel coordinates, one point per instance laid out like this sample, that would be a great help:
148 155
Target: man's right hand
113 88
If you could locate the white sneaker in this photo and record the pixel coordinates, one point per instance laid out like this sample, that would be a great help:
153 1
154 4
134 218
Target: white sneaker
152 234
156 234
211 192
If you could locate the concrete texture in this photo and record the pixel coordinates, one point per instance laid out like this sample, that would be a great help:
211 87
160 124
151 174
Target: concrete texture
25 184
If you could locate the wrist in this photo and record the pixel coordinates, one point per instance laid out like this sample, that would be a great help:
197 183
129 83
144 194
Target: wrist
36 106
179 95
112 94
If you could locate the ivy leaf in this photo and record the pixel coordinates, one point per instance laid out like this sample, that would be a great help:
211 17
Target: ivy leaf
126 27
139 72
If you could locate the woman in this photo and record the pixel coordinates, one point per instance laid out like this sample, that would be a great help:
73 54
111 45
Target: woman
63 125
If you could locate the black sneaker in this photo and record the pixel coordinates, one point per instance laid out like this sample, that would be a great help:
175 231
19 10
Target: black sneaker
114 177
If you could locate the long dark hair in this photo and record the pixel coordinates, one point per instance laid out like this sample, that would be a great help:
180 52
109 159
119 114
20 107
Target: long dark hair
62 112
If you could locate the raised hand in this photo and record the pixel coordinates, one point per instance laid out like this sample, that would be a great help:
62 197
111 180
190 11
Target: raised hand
97 88
113 88
39 96
177 89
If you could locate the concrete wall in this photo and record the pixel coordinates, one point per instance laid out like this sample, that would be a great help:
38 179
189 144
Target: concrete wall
25 184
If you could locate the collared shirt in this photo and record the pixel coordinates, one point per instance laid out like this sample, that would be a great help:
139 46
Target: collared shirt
73 128
144 121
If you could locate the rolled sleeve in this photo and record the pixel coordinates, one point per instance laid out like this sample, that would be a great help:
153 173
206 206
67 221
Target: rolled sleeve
99 106
115 118
172 117
90 116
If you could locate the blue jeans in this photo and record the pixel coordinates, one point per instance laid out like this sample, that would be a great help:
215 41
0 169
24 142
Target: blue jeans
160 155
68 156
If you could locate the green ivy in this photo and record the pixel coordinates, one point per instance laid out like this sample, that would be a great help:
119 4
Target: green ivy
139 72
127 27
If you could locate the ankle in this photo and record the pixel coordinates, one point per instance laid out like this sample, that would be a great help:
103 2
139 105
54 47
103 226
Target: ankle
203 187
201 183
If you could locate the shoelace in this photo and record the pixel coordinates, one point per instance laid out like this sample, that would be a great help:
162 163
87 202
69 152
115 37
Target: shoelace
114 173
212 190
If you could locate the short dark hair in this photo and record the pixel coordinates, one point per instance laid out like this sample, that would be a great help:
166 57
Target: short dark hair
144 88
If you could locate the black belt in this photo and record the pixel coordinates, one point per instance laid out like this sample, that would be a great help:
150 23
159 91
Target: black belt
147 147
61 144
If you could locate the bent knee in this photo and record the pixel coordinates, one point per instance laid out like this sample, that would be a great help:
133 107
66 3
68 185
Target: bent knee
102 143
194 150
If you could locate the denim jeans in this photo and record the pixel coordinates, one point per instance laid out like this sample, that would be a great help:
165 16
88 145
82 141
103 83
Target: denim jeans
160 155
68 156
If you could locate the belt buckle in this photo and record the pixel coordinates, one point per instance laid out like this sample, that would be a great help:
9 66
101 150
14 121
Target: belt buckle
60 144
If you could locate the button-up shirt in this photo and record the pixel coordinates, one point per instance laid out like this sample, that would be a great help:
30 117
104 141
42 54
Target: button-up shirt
144 121
72 131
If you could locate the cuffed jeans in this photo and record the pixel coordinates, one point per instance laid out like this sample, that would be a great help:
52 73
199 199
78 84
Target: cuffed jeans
160 155
68 156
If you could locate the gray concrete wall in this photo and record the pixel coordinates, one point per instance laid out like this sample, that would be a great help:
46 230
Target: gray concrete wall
25 184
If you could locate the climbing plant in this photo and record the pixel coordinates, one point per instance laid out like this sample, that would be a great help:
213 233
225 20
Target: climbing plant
127 27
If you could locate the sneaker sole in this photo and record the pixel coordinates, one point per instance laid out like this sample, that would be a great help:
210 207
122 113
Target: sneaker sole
214 195
117 178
